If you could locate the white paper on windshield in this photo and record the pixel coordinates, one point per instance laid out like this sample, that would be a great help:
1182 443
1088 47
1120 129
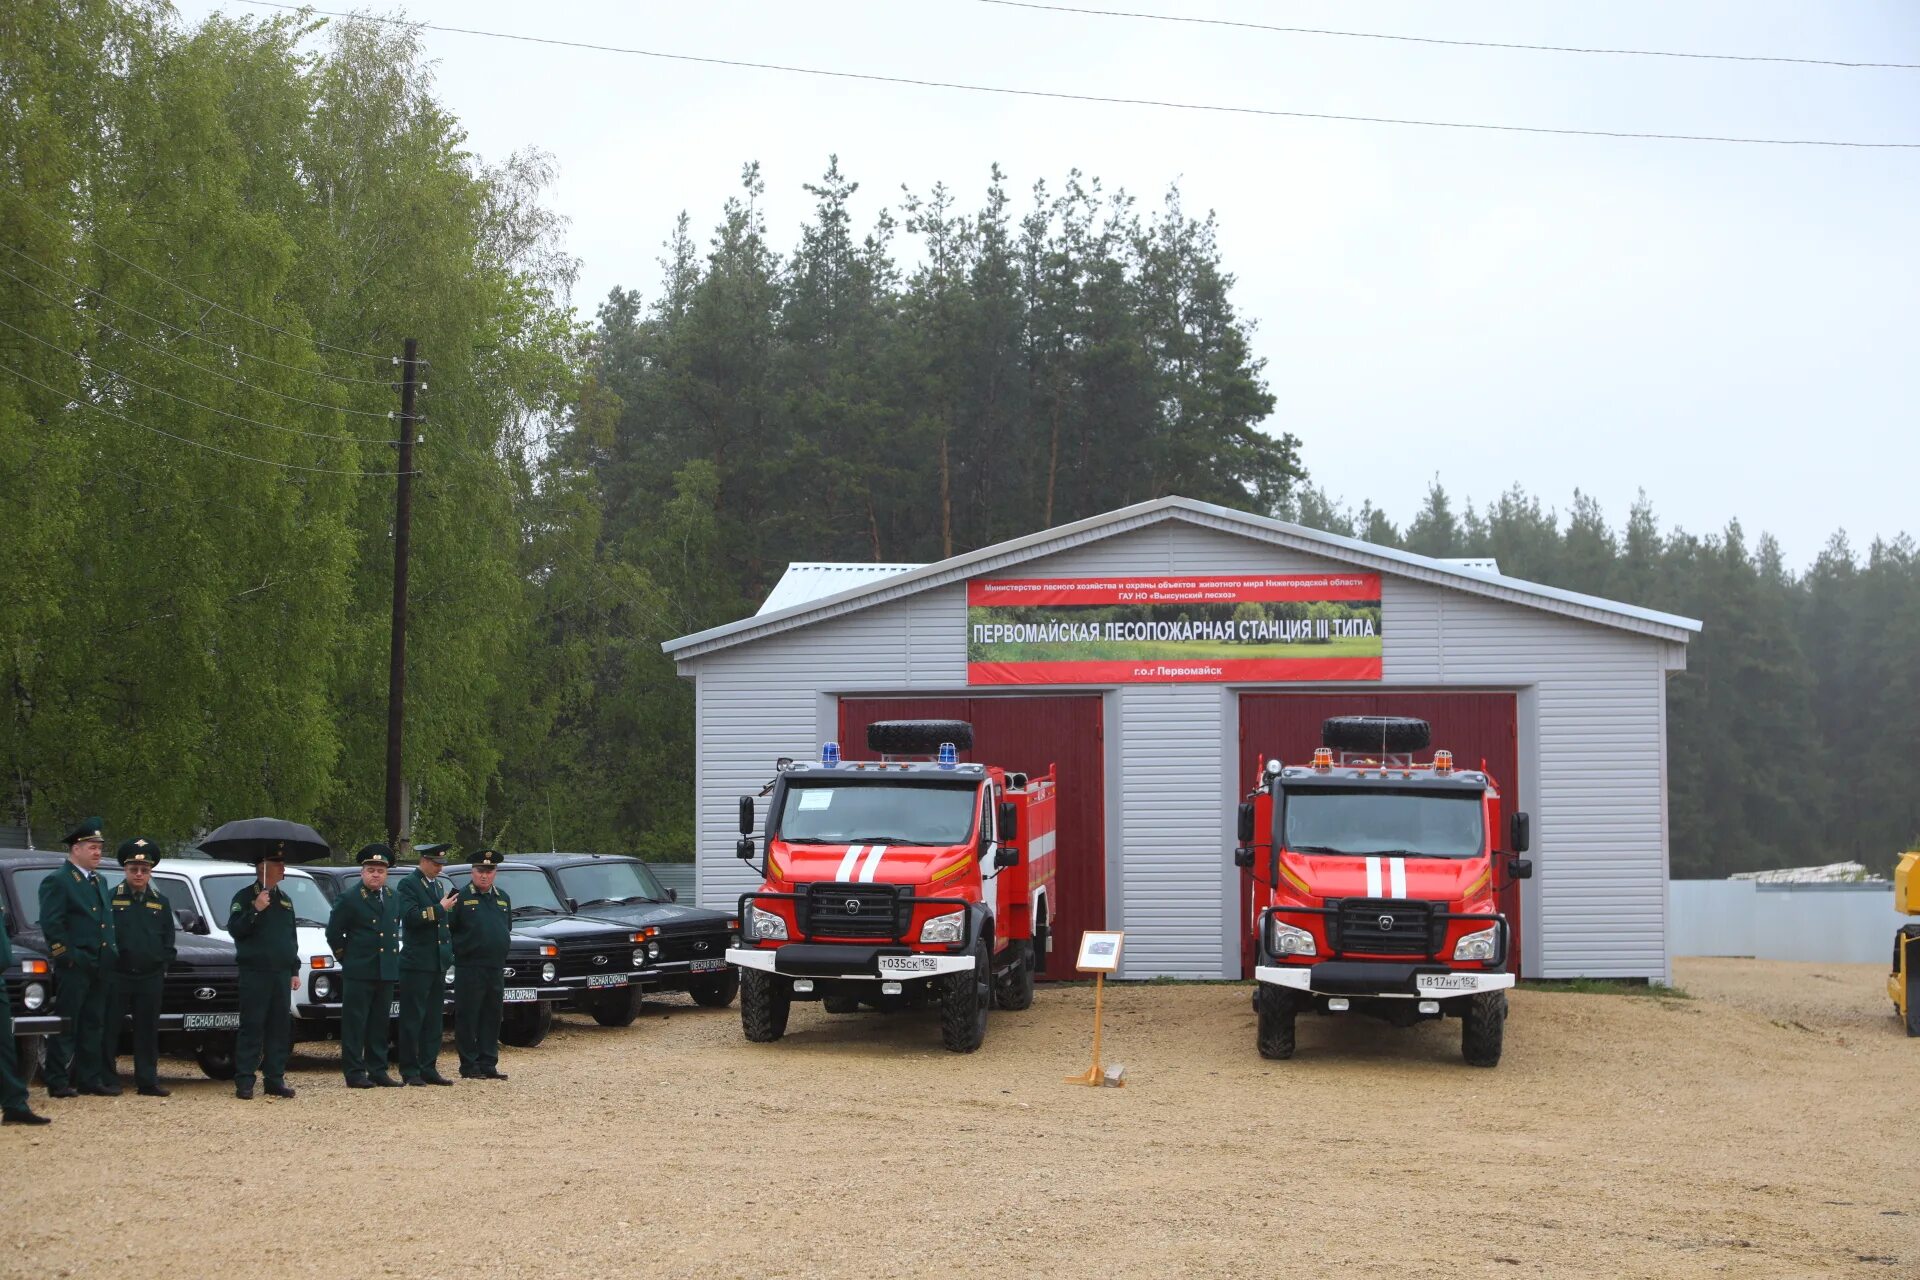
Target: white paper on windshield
811 799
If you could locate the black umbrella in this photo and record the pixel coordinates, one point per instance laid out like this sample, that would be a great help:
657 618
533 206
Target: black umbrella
255 839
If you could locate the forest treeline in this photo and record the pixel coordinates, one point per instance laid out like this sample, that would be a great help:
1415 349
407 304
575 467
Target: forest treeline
214 238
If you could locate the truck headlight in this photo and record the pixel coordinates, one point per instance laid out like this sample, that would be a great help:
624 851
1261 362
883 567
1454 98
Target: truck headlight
34 997
1477 946
1289 941
947 928
549 971
766 925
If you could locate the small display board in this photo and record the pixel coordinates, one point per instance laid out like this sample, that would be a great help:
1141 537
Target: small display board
1100 951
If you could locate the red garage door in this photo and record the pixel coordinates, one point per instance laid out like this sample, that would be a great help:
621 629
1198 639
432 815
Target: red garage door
1027 735
1476 727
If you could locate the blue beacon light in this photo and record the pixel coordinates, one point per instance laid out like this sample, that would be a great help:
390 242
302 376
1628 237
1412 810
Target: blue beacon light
949 755
830 754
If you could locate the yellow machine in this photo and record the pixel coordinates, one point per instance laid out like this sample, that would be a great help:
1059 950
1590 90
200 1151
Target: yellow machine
1903 985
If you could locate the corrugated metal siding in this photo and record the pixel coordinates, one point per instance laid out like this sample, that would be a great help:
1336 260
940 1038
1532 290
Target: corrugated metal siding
1592 699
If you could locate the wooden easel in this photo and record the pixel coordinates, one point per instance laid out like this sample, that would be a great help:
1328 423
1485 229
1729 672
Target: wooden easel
1095 1075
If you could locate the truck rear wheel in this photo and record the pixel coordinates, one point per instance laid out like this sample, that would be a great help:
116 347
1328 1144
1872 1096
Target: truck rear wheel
716 992
616 1008
523 1026
964 998
1276 1008
1483 1028
1013 986
765 1003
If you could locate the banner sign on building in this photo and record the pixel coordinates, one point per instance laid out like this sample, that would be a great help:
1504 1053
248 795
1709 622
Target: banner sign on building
1205 629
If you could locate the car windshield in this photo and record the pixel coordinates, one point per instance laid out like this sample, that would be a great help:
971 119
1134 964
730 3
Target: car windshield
615 881
900 812
1421 824
26 890
310 906
525 887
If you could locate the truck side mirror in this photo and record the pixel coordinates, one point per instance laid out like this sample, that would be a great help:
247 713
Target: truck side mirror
1520 868
743 849
1009 817
1246 823
746 815
1243 857
1521 836
1006 856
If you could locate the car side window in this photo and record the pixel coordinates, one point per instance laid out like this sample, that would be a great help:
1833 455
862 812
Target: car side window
179 895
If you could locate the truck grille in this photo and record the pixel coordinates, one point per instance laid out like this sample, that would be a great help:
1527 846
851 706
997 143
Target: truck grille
1385 927
183 991
841 910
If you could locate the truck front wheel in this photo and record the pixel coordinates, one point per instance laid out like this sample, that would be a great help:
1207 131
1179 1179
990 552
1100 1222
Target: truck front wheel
1276 1007
1483 1027
764 1005
964 998
716 992
1013 986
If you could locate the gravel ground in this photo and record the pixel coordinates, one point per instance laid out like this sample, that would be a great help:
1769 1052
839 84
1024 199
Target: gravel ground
1761 1128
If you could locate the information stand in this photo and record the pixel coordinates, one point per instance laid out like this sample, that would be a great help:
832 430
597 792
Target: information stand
1100 956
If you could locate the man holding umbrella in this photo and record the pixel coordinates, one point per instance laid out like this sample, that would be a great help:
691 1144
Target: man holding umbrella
143 929
266 941
79 926
425 902
364 932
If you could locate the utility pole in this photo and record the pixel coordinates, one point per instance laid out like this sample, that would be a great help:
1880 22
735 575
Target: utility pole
397 660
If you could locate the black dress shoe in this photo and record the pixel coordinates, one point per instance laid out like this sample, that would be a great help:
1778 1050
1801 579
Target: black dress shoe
102 1090
243 1091
495 1074
155 1091
23 1116
436 1078
383 1081
359 1082
280 1089
62 1091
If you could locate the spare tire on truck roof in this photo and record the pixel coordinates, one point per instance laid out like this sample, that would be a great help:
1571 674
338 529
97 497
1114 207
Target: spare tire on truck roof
917 737
1395 735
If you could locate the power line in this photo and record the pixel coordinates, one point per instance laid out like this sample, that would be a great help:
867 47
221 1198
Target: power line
198 444
89 363
229 348
1464 44
218 306
1089 97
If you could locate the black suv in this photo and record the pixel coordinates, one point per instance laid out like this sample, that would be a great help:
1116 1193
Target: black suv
200 993
686 946
601 965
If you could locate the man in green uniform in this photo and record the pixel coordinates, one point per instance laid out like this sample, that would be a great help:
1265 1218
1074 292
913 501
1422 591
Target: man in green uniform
266 942
364 932
143 930
79 927
14 1107
482 923
424 901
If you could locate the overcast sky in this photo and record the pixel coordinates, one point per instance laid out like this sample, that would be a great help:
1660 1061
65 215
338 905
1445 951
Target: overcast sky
1731 328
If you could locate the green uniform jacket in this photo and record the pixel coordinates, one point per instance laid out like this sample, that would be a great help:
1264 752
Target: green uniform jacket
482 925
266 941
143 929
75 917
6 942
364 932
423 925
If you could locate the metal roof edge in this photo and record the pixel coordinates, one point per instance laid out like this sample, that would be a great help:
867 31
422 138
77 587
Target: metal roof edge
1062 537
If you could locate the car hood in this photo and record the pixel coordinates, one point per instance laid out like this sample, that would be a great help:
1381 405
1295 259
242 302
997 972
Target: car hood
668 917
570 928
196 952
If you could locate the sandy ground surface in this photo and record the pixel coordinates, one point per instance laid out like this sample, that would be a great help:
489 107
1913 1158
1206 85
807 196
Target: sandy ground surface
1764 1127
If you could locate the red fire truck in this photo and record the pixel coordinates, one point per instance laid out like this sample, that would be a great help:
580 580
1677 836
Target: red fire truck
907 881
1375 886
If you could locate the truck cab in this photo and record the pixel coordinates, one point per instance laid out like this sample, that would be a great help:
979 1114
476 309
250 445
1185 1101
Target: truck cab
1375 886
909 880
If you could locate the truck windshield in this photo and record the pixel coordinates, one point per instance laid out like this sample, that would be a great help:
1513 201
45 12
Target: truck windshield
901 812
1421 824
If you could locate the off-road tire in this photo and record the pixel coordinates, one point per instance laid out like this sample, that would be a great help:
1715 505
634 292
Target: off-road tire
1483 1028
524 1026
964 998
917 737
1275 1008
765 1003
716 992
616 1008
1396 735
1013 986
840 1004
215 1057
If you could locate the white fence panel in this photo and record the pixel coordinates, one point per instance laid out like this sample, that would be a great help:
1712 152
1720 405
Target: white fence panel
1841 923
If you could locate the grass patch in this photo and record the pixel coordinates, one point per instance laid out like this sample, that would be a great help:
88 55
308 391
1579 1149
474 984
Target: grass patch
1606 987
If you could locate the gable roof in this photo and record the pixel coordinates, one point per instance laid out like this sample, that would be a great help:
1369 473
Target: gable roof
1004 555
811 580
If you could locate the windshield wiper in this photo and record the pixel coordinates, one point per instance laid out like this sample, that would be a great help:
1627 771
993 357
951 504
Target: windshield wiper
638 897
551 911
1320 848
595 902
313 924
807 840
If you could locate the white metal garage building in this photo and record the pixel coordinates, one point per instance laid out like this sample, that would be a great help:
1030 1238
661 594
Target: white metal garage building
1562 696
